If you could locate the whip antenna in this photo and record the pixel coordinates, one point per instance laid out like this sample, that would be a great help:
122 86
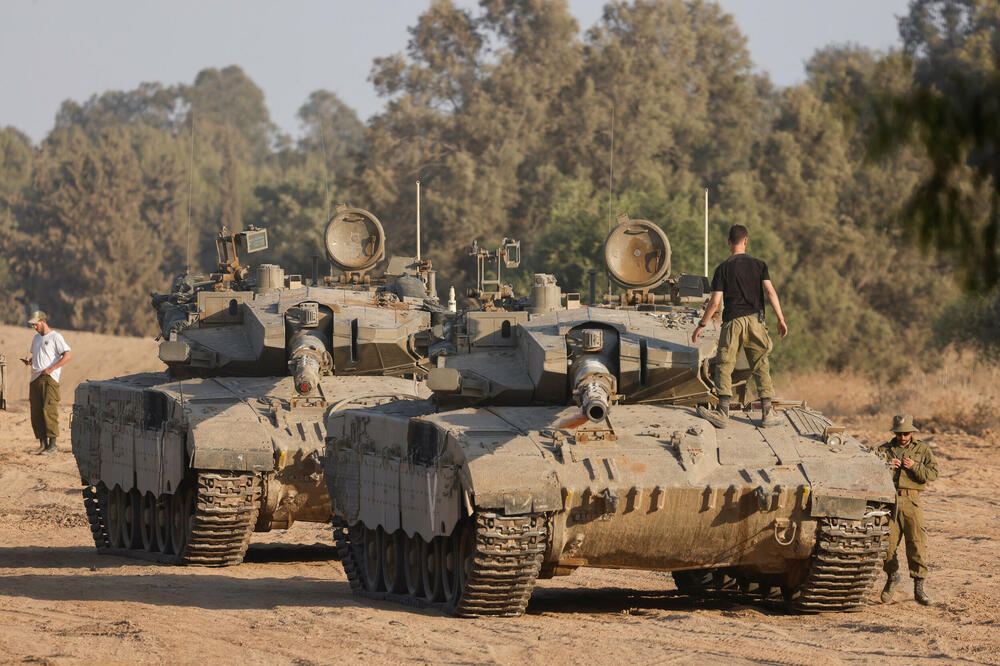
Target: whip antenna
187 249
326 172
611 168
706 232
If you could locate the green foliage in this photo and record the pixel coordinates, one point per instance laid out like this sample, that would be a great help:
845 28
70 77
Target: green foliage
952 114
972 323
93 234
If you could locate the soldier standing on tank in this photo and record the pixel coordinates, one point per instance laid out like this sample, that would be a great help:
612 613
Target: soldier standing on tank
913 467
49 353
740 284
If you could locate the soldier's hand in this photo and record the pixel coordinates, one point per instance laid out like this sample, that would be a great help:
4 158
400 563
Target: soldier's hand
908 463
895 462
782 329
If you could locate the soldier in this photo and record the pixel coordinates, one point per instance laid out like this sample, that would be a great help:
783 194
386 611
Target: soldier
49 352
913 466
740 284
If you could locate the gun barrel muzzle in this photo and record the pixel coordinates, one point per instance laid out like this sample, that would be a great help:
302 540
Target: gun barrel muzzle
594 387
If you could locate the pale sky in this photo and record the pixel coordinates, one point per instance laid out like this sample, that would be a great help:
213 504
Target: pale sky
52 50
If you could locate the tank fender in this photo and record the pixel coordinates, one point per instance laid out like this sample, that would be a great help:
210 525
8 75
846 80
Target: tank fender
835 494
231 444
508 478
834 504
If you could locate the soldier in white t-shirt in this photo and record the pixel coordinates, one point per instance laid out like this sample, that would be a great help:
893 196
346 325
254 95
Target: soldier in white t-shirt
49 353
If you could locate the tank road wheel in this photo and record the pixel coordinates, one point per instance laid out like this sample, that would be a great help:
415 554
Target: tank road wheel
451 568
116 515
412 566
133 517
147 523
693 583
393 562
371 569
161 523
431 569
180 519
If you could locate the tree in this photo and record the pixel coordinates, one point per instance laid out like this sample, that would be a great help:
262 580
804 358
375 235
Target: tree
332 130
952 114
90 255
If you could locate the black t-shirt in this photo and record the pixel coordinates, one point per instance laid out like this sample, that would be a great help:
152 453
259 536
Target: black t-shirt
740 278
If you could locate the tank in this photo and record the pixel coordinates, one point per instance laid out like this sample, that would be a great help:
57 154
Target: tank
183 466
568 437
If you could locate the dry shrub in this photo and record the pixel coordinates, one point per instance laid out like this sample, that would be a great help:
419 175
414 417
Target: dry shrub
961 395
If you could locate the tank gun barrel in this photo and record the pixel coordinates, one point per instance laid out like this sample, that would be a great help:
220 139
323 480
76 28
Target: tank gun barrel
593 386
308 359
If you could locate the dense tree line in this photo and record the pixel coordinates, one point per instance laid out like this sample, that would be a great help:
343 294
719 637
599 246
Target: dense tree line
514 124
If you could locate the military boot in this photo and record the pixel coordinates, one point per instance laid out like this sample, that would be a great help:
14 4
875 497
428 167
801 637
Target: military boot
890 588
42 443
920 594
718 417
50 447
768 417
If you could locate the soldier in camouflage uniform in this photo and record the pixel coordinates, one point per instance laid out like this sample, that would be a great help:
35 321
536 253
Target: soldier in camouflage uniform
913 466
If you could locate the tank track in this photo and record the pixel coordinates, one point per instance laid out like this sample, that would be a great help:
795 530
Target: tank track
507 558
345 538
95 503
225 512
845 563
225 509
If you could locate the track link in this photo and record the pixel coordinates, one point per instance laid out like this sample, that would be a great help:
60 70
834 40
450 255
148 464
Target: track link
95 503
845 564
508 557
500 571
224 512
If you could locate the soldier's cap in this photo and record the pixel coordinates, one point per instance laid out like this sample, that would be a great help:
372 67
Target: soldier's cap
903 423
36 317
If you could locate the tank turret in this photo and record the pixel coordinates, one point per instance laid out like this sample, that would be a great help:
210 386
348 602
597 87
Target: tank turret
567 437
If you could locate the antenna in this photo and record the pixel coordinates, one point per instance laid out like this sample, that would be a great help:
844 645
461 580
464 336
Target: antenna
611 181
326 172
611 167
418 221
706 232
187 249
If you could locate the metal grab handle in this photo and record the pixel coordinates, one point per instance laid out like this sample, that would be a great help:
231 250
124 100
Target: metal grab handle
793 526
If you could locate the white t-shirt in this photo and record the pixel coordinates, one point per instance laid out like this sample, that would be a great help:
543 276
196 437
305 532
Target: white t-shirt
46 350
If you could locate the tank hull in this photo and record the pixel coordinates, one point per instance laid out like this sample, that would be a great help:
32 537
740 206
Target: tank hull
167 462
654 487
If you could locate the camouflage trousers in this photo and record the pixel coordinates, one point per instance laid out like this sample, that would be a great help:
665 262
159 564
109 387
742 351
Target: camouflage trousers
749 334
43 397
908 523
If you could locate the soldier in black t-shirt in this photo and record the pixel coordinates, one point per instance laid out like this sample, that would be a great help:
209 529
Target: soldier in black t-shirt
740 284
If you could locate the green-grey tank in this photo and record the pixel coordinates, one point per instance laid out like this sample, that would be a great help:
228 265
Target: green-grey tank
183 466
562 437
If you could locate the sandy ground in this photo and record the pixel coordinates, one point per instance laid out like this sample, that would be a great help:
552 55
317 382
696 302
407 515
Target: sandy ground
61 602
